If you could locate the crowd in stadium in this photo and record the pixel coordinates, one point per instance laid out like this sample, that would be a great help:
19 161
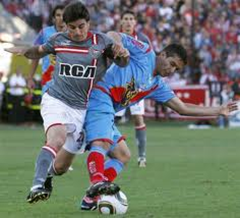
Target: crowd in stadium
217 28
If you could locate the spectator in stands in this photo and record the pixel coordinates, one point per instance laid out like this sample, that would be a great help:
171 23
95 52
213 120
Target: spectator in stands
17 84
2 88
207 75
226 96
236 88
216 23
233 63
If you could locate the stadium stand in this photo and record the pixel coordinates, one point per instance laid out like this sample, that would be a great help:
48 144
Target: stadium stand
217 26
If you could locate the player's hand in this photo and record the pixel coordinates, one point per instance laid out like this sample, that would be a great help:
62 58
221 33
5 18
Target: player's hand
30 83
229 107
125 53
119 51
16 50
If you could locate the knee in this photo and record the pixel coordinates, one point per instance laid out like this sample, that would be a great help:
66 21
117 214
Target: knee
123 155
57 141
138 120
56 136
104 145
60 169
126 157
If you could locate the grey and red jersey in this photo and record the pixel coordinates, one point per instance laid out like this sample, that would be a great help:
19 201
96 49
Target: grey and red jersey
79 65
141 37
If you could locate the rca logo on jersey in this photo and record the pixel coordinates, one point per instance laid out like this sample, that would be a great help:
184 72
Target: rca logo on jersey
77 71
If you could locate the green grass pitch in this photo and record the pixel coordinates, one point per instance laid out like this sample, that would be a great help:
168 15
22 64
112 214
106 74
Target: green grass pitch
189 174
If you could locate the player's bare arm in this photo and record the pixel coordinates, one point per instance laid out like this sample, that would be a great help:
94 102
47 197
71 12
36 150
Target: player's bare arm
118 53
194 110
35 52
115 36
33 68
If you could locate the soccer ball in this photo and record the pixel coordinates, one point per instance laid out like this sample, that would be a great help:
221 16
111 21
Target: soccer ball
113 204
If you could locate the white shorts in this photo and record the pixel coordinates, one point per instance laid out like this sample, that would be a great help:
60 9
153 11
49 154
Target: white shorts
136 109
55 112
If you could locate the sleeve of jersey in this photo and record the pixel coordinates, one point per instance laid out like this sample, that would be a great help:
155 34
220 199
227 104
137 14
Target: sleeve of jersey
134 46
107 40
49 46
147 40
163 93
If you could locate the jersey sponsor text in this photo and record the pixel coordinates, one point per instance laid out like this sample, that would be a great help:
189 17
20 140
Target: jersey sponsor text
77 71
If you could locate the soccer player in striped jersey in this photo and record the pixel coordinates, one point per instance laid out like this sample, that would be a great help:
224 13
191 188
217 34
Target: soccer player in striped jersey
48 62
81 61
128 24
122 87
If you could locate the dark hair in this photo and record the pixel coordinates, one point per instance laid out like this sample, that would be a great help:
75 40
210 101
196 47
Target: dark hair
176 49
128 12
75 11
57 7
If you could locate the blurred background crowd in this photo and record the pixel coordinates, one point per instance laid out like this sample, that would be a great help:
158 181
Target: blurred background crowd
209 29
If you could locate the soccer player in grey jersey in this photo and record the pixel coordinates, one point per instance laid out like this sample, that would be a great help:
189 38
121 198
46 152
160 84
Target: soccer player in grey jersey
81 61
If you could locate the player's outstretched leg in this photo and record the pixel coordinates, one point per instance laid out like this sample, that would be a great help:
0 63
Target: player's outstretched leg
39 191
95 163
